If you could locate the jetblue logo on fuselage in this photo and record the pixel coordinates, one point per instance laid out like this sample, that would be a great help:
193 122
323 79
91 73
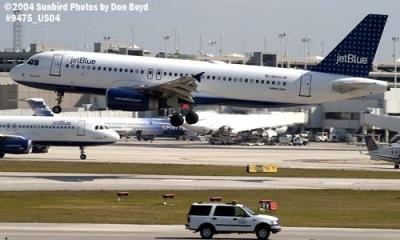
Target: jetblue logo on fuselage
82 60
351 58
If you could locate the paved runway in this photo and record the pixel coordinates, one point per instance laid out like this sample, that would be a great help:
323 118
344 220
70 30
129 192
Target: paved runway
36 231
63 181
317 155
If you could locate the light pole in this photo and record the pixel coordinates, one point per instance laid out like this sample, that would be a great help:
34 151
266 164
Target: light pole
322 49
212 44
86 31
265 45
395 39
133 38
201 45
306 41
165 39
282 36
221 36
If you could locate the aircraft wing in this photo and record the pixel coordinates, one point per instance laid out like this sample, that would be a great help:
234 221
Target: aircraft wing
182 87
38 105
351 84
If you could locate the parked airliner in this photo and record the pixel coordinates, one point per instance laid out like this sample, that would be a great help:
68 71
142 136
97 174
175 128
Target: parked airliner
25 134
141 128
134 83
210 122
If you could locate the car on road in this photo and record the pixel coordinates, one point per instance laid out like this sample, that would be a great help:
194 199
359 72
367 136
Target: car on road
215 218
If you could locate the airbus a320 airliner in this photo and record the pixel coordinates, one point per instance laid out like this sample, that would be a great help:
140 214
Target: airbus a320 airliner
134 83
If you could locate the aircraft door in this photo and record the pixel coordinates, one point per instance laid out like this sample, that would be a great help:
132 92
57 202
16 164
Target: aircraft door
81 128
158 74
55 68
305 86
150 73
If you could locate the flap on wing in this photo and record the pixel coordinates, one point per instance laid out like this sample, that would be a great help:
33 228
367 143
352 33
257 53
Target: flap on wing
346 85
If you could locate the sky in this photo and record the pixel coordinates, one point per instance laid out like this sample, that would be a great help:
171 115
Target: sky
243 25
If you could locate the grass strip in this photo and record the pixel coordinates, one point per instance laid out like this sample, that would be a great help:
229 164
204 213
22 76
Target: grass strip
181 169
312 208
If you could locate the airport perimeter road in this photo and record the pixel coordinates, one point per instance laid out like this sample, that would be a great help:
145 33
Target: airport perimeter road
67 181
317 155
36 231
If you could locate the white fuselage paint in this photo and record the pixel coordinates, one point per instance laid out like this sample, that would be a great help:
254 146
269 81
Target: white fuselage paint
281 85
210 122
57 130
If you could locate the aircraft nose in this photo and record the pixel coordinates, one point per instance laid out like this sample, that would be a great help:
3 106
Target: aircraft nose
15 73
114 136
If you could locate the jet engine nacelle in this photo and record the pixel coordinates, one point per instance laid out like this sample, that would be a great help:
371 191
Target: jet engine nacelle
15 145
129 100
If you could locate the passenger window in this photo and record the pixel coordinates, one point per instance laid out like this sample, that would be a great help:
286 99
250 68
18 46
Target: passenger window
224 211
239 212
110 69
131 71
99 68
115 69
142 71
126 70
96 128
93 68
208 77
120 70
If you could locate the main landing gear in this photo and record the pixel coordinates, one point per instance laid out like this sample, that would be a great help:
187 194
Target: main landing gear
59 99
83 155
176 119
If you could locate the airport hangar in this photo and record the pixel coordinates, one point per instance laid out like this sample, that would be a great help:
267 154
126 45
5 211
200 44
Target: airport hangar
377 111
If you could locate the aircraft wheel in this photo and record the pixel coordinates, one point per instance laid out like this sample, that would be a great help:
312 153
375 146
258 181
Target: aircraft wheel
176 120
191 117
57 109
83 156
396 166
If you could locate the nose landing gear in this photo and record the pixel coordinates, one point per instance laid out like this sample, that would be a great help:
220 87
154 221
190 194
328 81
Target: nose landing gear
59 99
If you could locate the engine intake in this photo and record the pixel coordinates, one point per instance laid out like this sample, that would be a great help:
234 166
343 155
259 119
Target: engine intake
128 100
15 145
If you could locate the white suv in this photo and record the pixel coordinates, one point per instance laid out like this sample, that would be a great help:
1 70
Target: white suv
213 218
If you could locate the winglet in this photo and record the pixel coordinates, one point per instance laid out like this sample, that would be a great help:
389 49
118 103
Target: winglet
198 76
39 107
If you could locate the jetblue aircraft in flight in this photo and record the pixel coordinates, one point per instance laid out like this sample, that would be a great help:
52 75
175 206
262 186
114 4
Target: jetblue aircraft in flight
134 83
26 134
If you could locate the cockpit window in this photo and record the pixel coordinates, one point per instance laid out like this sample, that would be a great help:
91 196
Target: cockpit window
36 62
30 62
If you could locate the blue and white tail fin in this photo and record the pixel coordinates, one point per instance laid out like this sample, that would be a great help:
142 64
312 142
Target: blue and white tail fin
39 107
354 55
